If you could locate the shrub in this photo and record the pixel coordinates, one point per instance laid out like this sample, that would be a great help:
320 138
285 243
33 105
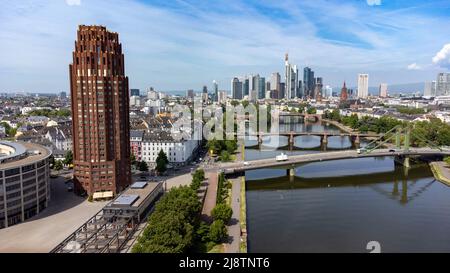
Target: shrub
217 231
222 212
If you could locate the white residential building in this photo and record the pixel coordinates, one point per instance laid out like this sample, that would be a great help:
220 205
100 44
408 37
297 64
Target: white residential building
430 89
178 152
363 86
383 90
443 84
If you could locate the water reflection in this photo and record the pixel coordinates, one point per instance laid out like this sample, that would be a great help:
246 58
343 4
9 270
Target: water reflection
339 206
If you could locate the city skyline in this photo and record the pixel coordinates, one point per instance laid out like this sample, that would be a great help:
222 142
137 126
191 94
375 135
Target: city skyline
177 51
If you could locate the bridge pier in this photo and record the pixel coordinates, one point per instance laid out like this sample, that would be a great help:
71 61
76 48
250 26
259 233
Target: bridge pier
357 140
291 142
290 172
260 141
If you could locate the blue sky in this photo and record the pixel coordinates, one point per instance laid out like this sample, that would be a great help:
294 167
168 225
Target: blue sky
178 45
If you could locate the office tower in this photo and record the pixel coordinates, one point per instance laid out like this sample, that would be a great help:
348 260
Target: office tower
261 88
275 82
350 93
267 86
190 94
245 86
328 91
290 79
344 93
383 90
443 84
134 92
308 82
100 112
135 101
255 81
282 92
253 96
62 95
205 94
216 90
300 89
363 86
430 89
318 88
152 94
236 89
222 96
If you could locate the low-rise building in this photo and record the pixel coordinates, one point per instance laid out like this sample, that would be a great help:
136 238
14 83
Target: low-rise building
178 151
24 181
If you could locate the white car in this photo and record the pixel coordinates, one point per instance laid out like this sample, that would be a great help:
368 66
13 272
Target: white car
246 163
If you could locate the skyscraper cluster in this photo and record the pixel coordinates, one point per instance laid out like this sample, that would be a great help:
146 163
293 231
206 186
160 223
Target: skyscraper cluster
254 87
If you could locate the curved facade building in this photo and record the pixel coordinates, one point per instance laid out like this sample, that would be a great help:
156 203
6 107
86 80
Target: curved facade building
24 181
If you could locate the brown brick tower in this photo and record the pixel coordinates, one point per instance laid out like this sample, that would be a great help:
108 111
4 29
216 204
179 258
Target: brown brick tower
344 93
100 112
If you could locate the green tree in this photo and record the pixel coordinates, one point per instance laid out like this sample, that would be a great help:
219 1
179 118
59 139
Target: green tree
197 178
161 162
68 158
51 161
132 159
234 103
222 212
199 174
217 231
447 160
312 110
335 115
58 165
171 227
143 167
225 156
231 146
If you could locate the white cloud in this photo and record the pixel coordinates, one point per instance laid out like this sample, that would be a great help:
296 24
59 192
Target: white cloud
373 2
442 58
73 2
414 66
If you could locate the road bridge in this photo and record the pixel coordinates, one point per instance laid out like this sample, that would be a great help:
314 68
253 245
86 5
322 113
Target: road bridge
231 168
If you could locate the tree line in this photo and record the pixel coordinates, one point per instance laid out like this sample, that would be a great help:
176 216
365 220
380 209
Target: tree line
175 225
434 130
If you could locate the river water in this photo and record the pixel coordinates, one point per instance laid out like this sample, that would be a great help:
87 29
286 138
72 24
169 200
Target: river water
340 206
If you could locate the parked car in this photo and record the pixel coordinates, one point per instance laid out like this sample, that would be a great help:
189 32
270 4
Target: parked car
69 186
392 150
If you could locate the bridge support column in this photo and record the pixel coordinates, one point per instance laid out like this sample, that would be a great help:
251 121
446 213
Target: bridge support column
357 140
291 142
260 141
406 162
324 139
290 172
